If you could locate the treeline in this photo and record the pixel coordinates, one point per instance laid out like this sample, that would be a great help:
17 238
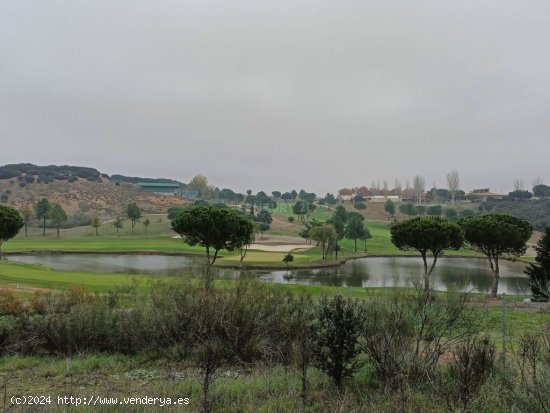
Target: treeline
29 173
136 179
415 351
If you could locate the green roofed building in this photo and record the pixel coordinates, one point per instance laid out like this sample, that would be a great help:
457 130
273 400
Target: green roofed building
162 188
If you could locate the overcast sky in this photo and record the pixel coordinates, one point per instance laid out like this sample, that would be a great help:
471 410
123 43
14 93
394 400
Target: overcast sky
283 94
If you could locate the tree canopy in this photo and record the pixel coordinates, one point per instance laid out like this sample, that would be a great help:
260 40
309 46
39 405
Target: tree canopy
541 191
10 223
495 235
96 223
213 228
355 229
41 211
133 213
427 235
326 236
407 209
26 213
434 210
389 207
57 215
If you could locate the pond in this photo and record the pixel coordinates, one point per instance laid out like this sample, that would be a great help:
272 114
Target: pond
463 274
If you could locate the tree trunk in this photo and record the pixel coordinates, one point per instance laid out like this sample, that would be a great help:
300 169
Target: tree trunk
432 266
207 379
44 227
1 242
355 244
96 234
26 233
57 231
496 278
426 273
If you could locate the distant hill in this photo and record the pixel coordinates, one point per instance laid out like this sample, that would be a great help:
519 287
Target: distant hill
536 211
83 192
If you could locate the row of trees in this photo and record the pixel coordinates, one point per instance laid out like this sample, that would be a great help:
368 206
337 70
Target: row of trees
45 211
417 191
494 235
411 209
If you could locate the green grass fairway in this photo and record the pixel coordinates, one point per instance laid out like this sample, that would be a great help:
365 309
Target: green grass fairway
14 275
101 244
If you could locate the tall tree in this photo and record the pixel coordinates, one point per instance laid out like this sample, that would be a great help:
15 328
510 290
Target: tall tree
41 211
133 213
539 273
10 224
419 184
355 230
453 182
146 224
118 224
213 228
330 199
326 236
541 191
57 215
389 207
495 235
26 213
518 185
427 235
199 183
263 227
96 223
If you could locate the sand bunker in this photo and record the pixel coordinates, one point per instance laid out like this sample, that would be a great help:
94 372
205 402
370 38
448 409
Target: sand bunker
277 247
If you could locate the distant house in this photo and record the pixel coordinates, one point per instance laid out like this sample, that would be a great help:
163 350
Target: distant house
485 194
384 198
162 188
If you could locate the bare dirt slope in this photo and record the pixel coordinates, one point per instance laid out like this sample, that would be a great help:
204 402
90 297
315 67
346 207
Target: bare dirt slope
105 197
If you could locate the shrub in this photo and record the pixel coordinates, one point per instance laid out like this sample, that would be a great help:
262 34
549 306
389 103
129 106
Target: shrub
405 338
336 333
473 362
360 205
434 210
9 303
466 213
451 213
290 219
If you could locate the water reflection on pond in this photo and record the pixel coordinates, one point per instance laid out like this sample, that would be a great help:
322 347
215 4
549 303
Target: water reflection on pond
465 274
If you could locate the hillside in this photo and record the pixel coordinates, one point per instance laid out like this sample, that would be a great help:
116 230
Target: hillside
536 211
82 196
